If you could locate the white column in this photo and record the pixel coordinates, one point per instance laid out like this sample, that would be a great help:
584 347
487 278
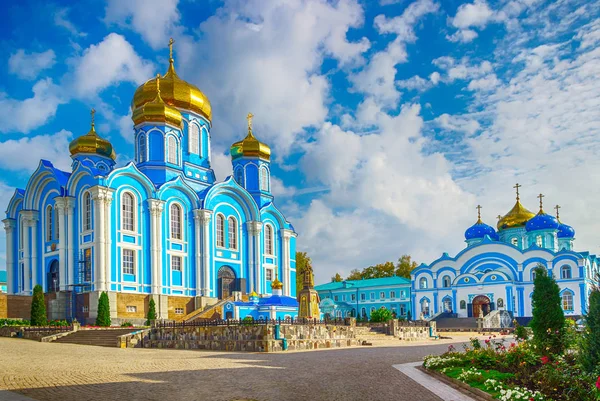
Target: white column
205 216
99 242
59 206
254 255
108 197
26 289
198 253
9 227
71 260
156 208
287 283
34 248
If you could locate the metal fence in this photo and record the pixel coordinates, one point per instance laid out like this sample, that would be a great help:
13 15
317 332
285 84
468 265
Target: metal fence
35 329
258 322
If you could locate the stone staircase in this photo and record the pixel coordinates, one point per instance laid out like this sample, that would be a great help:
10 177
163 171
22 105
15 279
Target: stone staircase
210 312
456 324
98 337
373 335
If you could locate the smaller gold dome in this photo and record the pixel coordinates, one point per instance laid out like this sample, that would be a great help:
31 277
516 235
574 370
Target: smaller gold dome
276 284
250 146
253 294
516 217
92 143
157 111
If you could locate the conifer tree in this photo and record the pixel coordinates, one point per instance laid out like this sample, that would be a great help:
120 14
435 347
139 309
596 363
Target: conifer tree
103 317
548 323
151 312
590 346
38 307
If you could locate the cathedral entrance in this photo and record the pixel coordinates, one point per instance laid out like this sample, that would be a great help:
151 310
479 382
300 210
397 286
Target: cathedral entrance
53 280
226 282
481 305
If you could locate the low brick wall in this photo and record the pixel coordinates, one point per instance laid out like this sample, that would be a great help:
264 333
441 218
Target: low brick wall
24 332
405 331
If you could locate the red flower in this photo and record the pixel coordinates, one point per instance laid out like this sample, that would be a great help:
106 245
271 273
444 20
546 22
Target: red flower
545 360
598 383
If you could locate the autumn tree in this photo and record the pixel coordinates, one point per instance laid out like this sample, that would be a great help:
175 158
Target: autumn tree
302 260
337 278
404 266
355 274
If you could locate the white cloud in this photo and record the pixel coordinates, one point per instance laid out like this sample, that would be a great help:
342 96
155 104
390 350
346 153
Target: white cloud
221 164
28 66
154 20
486 83
472 15
463 36
49 147
126 128
419 84
457 123
26 115
435 77
61 20
108 63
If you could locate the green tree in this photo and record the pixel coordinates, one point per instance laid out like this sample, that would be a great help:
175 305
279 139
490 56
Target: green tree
548 322
387 269
302 260
151 312
103 317
404 266
337 278
590 345
381 315
38 307
355 274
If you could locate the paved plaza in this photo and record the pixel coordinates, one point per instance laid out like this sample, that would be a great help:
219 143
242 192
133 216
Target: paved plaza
46 371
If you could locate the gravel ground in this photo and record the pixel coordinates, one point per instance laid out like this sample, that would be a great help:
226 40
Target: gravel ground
46 371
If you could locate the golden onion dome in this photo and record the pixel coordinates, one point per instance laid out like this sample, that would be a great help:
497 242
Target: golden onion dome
175 92
276 284
250 146
516 217
157 111
92 143
253 294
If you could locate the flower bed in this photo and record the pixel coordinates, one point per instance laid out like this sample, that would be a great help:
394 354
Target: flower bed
516 371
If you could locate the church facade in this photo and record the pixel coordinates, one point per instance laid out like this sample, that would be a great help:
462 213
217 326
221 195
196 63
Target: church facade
160 227
496 270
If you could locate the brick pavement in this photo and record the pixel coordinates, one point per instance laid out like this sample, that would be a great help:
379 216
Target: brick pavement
46 371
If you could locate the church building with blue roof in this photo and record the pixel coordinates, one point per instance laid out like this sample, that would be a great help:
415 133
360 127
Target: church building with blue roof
160 227
496 270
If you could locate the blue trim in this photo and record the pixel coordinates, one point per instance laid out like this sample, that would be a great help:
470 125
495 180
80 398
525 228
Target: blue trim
454 301
521 301
582 296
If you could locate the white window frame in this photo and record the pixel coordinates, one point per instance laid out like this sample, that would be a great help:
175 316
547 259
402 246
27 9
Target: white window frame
172 150
423 283
269 274
444 285
269 240
220 230
49 218
194 139
566 300
514 241
563 269
382 295
179 311
176 267
56 221
353 297
264 179
125 269
539 241
239 175
87 211
232 231
363 297
128 223
392 294
142 149
176 221
131 308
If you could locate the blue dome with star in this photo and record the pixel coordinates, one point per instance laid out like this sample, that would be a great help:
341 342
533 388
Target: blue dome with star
565 231
480 230
542 221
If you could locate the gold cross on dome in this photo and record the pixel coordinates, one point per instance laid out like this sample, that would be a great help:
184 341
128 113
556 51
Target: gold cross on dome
249 118
540 197
499 216
517 186
478 211
171 41
556 208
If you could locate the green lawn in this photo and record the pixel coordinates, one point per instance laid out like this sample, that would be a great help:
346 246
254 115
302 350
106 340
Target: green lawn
485 374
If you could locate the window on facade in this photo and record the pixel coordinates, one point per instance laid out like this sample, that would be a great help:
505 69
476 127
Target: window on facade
56 224
363 297
343 297
232 233
423 283
402 310
220 230
128 211
128 261
372 309
353 297
175 217
363 312
87 211
425 307
514 241
335 298
392 294
264 179
176 263
372 295
463 304
239 176
179 311
49 223
446 282
194 139
382 295
269 274
131 308
269 240
565 272
142 149
567 301
172 148
538 240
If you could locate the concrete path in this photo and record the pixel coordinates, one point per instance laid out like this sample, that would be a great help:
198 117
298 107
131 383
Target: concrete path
437 387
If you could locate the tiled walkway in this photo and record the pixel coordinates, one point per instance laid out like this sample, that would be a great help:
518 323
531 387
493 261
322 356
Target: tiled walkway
46 371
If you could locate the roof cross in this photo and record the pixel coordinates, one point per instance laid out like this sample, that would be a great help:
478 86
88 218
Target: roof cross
478 212
249 118
540 197
556 208
171 41
517 186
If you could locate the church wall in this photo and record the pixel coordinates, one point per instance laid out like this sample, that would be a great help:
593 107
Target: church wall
138 301
176 304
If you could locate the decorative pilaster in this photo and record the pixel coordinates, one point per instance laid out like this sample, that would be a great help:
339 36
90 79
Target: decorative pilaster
205 216
108 197
156 209
30 218
71 260
254 229
198 253
9 227
33 220
99 196
59 206
287 280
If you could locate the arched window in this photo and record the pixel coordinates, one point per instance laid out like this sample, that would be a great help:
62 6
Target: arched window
87 211
232 233
538 240
567 301
565 272
142 149
533 276
463 304
49 223
268 240
56 224
239 176
423 283
172 149
220 230
194 139
514 241
175 216
446 282
128 209
425 307
264 179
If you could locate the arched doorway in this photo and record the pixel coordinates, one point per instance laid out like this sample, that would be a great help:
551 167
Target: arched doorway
481 305
447 301
53 281
226 280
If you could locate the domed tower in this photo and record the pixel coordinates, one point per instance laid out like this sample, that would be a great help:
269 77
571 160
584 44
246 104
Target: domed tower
308 297
478 231
565 233
511 226
251 161
276 286
92 150
542 229
172 122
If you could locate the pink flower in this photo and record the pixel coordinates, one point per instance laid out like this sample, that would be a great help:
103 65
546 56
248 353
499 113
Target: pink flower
598 383
545 360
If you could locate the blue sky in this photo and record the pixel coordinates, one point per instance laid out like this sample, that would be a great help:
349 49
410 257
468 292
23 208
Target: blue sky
389 121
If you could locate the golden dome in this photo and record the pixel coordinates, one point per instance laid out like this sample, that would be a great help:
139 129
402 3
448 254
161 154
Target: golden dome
92 143
276 284
517 217
174 91
253 294
157 110
250 146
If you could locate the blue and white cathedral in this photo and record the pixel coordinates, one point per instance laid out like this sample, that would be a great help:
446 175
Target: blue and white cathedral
496 270
160 227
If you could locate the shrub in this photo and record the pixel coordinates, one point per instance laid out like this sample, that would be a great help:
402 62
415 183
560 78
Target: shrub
14 322
381 315
521 333
103 318
38 307
248 321
548 322
590 345
126 324
60 323
151 312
